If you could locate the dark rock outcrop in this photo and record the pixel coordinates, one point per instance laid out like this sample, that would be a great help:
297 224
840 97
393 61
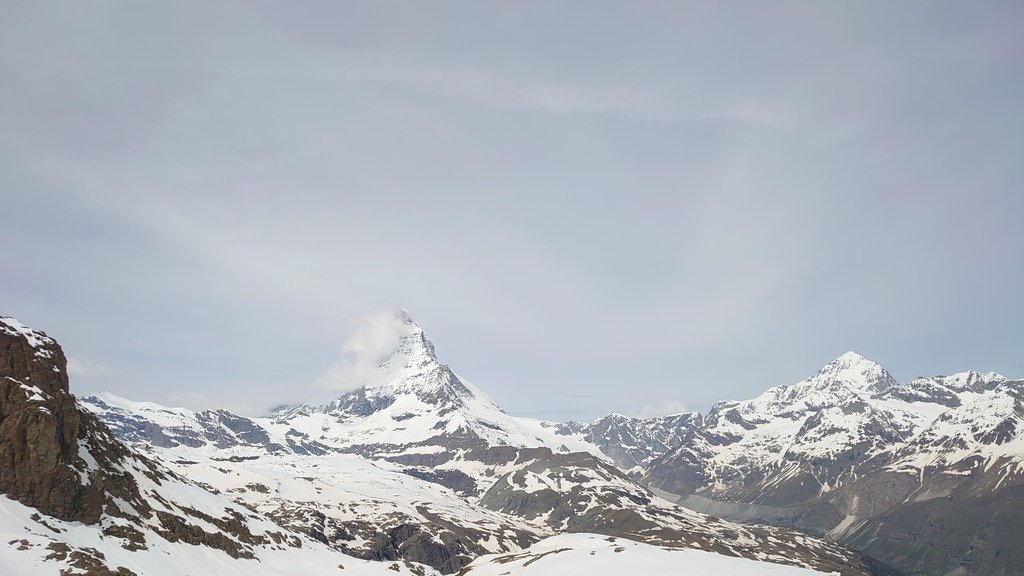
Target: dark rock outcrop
63 461
40 429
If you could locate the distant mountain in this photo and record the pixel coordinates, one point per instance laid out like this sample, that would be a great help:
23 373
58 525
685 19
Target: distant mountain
629 442
415 400
444 459
793 442
881 466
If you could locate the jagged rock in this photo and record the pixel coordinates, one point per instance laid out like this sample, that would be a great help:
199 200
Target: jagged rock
40 427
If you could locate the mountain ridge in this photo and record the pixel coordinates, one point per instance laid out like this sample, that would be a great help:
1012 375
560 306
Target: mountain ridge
433 426
806 455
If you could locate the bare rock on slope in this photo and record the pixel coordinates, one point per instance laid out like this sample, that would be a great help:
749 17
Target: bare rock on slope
40 428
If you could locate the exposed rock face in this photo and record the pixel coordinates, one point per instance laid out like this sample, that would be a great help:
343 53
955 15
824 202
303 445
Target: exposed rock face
633 442
40 428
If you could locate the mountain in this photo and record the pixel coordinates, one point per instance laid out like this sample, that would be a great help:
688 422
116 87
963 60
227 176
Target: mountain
421 465
629 442
792 442
854 455
79 501
415 400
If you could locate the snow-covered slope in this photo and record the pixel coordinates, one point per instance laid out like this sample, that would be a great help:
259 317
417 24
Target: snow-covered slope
191 532
596 555
368 509
986 430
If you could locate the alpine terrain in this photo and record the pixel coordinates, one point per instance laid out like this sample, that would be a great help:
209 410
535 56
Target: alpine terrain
420 472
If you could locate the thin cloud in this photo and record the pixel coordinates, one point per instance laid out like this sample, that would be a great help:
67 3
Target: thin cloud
665 102
190 400
666 408
82 367
373 340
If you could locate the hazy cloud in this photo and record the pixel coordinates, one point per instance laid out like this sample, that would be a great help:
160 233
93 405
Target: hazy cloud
373 339
190 400
80 367
666 408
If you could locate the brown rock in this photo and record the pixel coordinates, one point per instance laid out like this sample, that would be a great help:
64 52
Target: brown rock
41 428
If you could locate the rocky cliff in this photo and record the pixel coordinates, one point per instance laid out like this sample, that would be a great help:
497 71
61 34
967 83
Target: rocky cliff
42 464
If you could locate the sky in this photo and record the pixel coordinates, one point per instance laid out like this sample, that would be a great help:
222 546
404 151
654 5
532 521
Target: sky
640 207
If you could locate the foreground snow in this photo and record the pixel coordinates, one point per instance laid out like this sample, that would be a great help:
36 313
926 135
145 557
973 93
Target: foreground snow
596 555
31 545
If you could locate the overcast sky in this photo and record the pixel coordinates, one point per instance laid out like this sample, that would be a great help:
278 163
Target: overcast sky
590 207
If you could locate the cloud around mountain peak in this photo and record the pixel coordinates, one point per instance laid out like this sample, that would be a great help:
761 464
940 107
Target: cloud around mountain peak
375 339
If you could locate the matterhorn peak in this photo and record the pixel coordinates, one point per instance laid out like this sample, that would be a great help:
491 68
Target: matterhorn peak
390 357
412 349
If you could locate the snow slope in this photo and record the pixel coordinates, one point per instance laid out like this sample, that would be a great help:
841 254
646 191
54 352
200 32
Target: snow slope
596 555
32 546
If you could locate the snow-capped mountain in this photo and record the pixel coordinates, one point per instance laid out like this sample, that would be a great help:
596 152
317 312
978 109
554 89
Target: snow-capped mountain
414 400
793 442
452 475
854 454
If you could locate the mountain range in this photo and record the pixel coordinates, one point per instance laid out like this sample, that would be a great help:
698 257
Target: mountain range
848 471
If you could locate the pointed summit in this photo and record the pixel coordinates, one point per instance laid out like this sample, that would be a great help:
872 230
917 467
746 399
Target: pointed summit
393 359
847 376
855 371
412 349
408 395
851 356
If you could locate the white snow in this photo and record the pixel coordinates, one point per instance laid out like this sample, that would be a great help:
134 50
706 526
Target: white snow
596 555
23 551
35 339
